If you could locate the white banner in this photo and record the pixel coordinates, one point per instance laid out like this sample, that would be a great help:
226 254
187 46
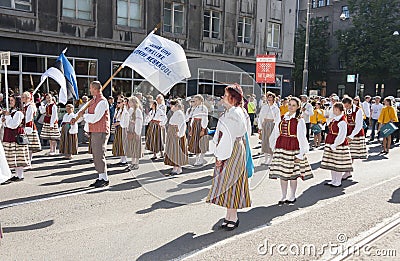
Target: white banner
58 76
160 61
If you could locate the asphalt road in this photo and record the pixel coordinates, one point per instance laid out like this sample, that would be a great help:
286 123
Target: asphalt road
53 215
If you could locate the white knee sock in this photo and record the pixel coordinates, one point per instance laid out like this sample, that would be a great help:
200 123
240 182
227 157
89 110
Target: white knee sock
123 159
346 174
337 180
103 176
293 188
284 186
20 172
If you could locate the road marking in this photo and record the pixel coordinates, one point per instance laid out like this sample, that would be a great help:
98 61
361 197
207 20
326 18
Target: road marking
53 197
279 220
366 237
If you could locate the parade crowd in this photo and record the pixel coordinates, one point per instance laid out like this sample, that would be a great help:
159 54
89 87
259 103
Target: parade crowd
175 129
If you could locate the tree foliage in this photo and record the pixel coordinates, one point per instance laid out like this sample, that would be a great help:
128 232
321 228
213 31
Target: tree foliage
319 52
369 46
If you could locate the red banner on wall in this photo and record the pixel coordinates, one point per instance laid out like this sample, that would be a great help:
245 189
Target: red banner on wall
265 68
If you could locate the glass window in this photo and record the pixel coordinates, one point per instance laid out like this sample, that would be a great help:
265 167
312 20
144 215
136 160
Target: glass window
129 13
314 4
174 17
78 9
24 5
33 64
321 3
212 24
245 30
345 11
274 35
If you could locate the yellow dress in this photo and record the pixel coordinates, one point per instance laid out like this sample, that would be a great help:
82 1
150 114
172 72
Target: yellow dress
388 114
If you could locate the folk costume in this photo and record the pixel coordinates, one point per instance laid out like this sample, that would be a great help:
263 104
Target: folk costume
118 147
132 124
29 110
156 124
355 132
268 118
69 136
198 139
50 129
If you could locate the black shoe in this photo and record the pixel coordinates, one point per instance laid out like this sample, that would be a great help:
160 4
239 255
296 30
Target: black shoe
153 158
102 183
8 181
122 164
19 179
281 202
349 177
94 184
290 201
15 178
235 225
224 224
135 167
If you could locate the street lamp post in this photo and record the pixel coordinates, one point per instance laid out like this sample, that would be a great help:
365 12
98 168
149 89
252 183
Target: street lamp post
306 49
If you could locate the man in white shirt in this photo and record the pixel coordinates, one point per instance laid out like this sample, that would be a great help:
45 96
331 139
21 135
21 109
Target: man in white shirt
376 109
308 111
366 106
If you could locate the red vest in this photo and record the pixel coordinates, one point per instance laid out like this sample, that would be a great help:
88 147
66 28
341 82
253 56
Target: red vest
351 123
49 112
10 134
288 135
334 131
103 125
30 124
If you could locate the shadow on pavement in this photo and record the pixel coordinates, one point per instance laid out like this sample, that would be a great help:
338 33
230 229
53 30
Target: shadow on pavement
40 225
254 218
395 197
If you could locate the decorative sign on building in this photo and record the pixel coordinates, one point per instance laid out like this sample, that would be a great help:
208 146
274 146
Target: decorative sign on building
265 69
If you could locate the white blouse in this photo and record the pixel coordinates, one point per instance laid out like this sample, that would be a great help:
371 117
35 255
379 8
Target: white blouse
67 119
200 112
127 116
189 114
300 133
358 121
308 112
178 119
232 124
29 114
15 121
341 137
159 115
269 112
54 114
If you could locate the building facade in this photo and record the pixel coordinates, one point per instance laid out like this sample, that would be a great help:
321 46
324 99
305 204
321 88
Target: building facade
338 14
100 35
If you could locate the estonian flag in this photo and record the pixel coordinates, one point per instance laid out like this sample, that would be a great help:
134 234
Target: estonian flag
64 74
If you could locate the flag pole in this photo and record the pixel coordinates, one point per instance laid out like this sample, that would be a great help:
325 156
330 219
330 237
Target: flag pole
84 108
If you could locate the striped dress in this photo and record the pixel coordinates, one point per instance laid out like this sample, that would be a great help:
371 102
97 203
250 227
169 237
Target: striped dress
230 185
339 159
50 119
69 136
29 111
176 153
291 142
358 148
155 133
16 155
198 141
118 147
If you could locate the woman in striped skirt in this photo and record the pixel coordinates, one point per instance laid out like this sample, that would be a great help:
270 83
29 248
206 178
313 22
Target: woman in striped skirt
289 143
176 154
50 129
69 134
17 155
132 122
230 186
198 139
29 111
157 119
337 157
118 147
355 132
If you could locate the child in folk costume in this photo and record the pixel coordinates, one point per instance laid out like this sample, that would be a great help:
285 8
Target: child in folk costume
157 119
268 118
17 155
118 147
337 157
230 186
29 109
50 129
289 143
69 134
176 154
355 132
132 122
388 115
198 140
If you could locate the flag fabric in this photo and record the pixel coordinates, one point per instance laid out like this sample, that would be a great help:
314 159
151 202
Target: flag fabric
160 61
64 74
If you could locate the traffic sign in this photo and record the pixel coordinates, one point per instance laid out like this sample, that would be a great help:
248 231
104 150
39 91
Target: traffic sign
5 58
